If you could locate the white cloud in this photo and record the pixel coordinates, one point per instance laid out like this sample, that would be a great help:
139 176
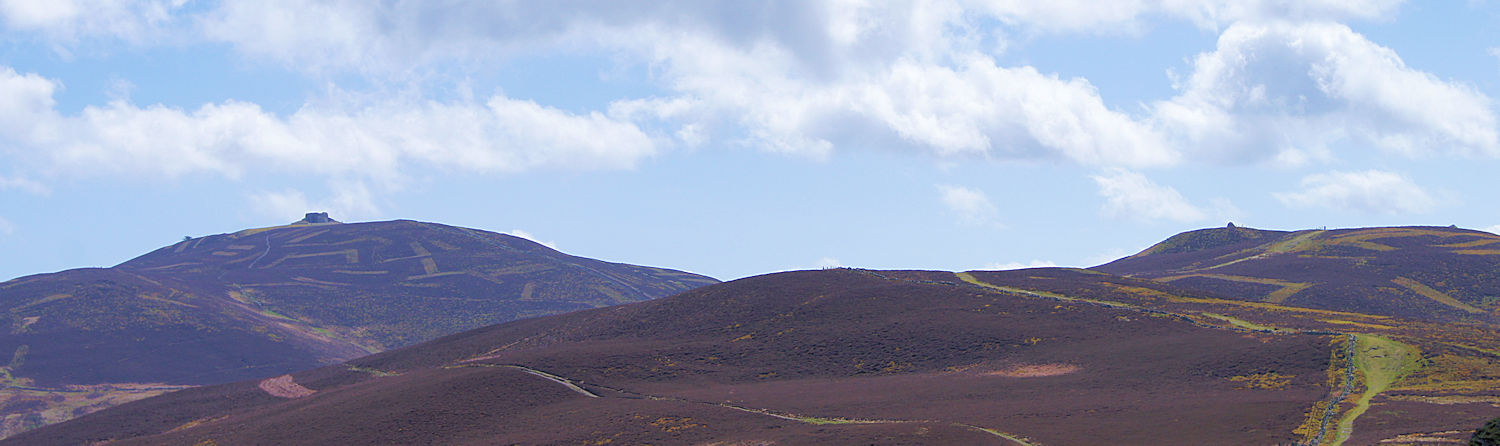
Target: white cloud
357 35
795 77
828 263
823 36
22 184
1018 265
1285 92
365 139
971 108
6 227
528 236
972 206
26 104
66 21
1492 229
1371 191
1131 196
1215 13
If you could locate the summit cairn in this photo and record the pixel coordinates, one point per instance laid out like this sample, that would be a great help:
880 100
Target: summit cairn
315 218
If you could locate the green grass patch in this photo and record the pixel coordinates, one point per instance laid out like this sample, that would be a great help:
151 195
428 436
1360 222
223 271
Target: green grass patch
1299 242
1435 295
969 278
19 357
1241 322
1023 441
1381 362
820 420
370 371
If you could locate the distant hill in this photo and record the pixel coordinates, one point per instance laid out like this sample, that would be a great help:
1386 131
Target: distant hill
826 357
1174 345
267 301
1426 273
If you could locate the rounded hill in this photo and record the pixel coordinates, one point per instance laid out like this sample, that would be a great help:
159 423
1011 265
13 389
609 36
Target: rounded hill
267 301
1418 272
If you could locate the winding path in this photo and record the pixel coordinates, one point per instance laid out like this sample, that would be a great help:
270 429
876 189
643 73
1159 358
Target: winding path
556 379
1331 414
1021 441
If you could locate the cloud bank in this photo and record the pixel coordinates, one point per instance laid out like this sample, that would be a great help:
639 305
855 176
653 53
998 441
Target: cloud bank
1287 84
1371 192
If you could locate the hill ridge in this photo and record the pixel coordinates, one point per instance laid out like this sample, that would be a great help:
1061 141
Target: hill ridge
267 301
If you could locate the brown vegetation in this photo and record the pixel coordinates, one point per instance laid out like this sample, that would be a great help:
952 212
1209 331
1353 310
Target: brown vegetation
835 356
267 302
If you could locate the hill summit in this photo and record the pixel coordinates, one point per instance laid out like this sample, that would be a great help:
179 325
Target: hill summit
315 218
1418 272
261 302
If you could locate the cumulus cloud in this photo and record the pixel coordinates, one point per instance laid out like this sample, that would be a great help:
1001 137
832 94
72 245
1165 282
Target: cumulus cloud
1131 196
972 206
828 263
394 36
1371 191
1492 229
26 105
970 108
67 21
1073 16
1214 13
796 77
1284 92
801 78
821 35
370 139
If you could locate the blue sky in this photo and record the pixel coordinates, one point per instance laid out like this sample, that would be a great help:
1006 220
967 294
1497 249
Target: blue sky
737 138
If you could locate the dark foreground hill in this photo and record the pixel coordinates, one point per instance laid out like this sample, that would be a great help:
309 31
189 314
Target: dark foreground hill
1402 381
268 301
1425 273
834 356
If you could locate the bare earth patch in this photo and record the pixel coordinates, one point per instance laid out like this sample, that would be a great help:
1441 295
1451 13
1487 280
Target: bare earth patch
1448 437
282 386
1035 370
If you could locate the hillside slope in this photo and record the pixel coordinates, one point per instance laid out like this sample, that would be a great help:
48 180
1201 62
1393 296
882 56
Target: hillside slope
835 356
262 302
1403 381
1425 273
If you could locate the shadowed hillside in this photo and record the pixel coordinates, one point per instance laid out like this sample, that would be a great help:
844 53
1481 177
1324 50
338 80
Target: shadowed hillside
835 356
262 302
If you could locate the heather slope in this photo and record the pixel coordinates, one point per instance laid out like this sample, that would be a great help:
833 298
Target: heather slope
1401 380
1426 273
268 301
837 356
